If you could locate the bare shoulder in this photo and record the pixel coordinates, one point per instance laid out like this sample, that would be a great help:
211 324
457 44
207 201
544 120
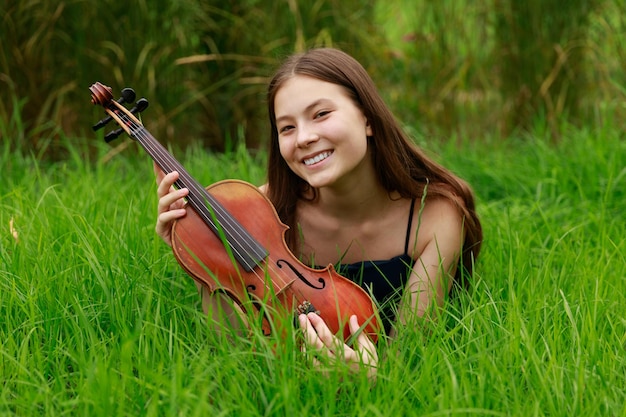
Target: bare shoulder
263 188
439 222
441 210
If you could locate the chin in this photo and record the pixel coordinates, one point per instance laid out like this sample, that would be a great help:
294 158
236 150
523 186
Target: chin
320 181
321 184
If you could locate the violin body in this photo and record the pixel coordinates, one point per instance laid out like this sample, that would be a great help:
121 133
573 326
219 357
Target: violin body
232 241
298 288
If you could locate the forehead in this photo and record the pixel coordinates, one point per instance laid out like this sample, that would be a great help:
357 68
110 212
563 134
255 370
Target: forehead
301 91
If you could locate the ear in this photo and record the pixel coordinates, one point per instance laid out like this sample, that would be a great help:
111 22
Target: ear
368 129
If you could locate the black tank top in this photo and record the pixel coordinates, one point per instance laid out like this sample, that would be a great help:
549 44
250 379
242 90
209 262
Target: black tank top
384 280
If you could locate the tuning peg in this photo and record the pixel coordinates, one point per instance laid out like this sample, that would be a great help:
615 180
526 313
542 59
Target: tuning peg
140 106
128 96
101 123
111 136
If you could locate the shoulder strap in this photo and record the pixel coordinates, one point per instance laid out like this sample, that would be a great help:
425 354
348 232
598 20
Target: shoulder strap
408 228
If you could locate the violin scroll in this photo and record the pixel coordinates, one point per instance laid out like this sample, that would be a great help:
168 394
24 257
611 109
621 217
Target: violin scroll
102 95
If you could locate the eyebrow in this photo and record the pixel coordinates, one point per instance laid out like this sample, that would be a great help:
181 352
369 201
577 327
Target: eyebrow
307 108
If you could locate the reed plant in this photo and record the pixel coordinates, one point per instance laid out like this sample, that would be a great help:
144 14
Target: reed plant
463 68
99 319
202 65
447 68
543 46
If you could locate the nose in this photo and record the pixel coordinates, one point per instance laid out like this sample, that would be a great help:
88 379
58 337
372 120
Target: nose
306 137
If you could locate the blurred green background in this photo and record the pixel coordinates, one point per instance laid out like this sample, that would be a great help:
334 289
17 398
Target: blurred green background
448 69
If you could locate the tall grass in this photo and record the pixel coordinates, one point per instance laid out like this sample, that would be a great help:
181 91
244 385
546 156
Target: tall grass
202 64
482 68
98 319
449 67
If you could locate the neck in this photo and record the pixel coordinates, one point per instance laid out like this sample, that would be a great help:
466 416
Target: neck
358 198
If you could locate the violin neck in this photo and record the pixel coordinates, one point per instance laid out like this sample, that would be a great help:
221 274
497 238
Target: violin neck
248 252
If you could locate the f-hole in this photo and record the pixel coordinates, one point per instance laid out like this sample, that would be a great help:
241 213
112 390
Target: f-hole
298 274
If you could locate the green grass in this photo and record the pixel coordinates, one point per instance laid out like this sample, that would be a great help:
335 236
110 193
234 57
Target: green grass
98 319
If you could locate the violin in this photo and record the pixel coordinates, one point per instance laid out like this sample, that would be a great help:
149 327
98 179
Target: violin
232 241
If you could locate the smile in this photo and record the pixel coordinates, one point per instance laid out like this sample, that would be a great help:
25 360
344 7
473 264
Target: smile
317 158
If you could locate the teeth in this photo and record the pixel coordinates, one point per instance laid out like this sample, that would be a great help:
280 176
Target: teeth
317 158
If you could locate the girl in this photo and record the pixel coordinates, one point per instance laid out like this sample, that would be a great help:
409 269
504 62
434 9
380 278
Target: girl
357 193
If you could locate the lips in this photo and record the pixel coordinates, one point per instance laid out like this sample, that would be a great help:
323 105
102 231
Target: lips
317 158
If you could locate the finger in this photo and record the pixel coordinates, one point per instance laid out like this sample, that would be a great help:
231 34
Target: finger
361 337
173 200
169 216
323 332
165 185
164 223
364 349
311 337
312 355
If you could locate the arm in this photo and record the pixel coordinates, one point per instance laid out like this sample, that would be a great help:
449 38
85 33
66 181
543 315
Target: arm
433 272
440 233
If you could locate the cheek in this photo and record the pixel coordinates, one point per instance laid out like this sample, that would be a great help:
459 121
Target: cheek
286 149
359 143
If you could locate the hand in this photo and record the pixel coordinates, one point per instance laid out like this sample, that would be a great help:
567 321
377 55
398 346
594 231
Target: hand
319 338
171 203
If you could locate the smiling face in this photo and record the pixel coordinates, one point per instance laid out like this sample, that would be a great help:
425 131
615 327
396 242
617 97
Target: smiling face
322 133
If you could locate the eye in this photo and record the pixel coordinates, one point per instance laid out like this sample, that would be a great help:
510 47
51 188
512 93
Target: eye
285 129
322 113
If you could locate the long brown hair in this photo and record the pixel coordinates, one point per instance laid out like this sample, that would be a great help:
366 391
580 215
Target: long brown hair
400 165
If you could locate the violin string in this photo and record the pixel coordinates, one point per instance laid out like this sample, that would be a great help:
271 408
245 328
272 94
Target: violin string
229 228
157 150
195 189
163 157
